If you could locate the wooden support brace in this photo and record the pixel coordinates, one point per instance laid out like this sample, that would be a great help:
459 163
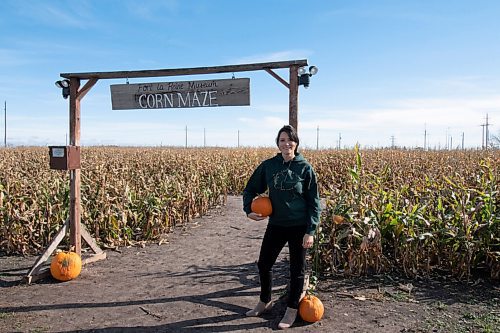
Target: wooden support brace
48 252
37 273
86 88
277 77
90 240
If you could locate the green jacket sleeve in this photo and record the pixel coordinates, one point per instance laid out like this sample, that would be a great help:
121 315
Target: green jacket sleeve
256 185
311 195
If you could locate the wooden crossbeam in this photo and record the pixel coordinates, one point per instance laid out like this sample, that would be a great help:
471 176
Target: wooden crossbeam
185 71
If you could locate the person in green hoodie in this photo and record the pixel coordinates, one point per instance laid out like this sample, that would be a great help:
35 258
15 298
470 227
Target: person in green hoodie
291 184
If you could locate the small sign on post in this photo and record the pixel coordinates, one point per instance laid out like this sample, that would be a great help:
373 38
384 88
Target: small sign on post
64 157
182 94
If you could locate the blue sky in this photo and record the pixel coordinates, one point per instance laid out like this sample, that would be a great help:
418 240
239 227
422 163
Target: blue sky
389 71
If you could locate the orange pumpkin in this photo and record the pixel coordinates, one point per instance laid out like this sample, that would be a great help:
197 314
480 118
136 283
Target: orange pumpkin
262 206
311 309
66 266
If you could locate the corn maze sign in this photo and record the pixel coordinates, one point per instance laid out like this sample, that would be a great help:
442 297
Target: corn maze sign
184 94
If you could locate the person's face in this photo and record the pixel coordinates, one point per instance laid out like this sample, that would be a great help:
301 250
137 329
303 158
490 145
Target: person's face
285 145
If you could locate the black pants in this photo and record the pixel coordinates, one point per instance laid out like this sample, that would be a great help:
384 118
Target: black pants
274 240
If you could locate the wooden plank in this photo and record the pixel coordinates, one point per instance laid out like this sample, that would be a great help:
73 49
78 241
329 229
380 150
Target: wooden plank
181 94
86 88
277 77
185 71
294 96
89 239
75 181
75 212
94 258
48 251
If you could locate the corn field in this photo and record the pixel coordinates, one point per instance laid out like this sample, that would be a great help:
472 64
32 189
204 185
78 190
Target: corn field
418 212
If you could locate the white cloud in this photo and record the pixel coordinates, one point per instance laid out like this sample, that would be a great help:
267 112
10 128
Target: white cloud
76 15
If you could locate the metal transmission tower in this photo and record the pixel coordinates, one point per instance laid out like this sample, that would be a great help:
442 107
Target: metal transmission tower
485 139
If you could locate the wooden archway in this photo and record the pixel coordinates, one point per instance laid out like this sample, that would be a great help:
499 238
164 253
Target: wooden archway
76 94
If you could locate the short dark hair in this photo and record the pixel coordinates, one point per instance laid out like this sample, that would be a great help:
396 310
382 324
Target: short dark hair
292 134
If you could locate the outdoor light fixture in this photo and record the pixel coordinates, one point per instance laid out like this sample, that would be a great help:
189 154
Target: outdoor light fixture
304 77
64 85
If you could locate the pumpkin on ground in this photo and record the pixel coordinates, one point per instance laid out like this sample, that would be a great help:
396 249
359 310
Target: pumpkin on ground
311 309
262 206
66 266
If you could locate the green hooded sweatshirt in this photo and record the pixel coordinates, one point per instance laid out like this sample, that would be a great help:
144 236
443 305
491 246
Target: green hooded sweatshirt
292 189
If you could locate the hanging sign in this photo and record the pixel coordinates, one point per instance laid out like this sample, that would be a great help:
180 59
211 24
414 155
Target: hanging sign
185 94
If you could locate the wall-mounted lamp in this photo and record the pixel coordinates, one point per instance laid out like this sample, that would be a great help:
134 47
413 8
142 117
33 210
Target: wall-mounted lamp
304 77
64 85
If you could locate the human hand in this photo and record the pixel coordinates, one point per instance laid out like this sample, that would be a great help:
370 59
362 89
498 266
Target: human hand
256 217
307 241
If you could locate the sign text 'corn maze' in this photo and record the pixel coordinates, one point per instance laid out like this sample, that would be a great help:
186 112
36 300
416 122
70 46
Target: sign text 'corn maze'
185 94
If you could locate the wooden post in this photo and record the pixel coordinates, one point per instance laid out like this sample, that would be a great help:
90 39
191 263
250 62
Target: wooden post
294 94
75 200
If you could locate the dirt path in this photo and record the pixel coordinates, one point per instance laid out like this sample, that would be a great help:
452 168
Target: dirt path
205 278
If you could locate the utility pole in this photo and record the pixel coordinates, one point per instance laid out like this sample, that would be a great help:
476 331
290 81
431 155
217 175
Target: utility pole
238 138
482 136
487 132
5 123
425 136
447 130
204 138
463 140
186 136
340 139
317 138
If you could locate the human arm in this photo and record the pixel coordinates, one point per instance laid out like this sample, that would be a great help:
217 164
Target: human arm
256 185
311 195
